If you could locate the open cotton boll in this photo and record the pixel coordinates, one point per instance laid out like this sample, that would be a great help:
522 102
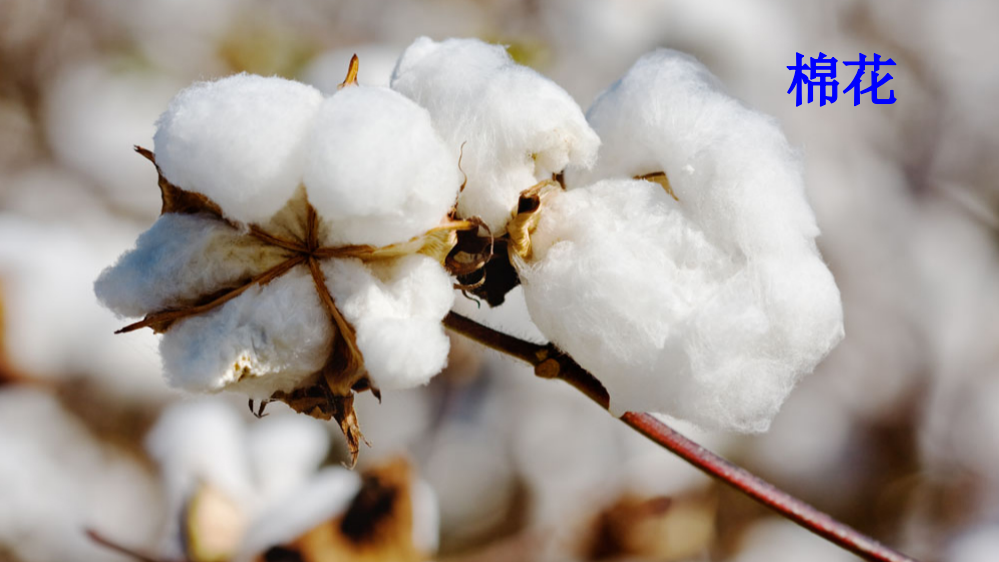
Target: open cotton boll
396 309
669 320
284 452
376 169
324 496
181 257
265 340
199 443
239 140
518 127
57 478
731 167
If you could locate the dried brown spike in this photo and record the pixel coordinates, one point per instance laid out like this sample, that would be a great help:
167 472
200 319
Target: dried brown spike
351 79
177 200
661 179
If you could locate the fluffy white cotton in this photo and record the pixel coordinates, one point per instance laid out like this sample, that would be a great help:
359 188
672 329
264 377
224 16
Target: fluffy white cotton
181 258
199 443
57 479
53 326
670 319
518 127
239 140
324 496
267 339
257 467
376 169
731 167
396 308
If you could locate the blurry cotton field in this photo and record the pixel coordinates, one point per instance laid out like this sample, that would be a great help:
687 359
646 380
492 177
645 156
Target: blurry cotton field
328 196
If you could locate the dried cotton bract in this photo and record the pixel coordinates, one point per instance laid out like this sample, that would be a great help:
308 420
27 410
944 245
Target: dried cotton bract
299 253
706 300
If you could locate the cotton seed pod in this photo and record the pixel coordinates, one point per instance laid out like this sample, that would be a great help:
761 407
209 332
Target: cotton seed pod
299 254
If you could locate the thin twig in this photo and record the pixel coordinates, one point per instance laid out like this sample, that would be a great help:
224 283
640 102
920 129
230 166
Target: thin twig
124 550
549 362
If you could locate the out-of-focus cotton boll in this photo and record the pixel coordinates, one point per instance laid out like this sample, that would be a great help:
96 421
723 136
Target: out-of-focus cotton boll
43 276
396 309
183 35
377 62
180 257
267 339
94 114
777 540
324 496
240 141
257 468
376 169
199 443
636 291
56 480
517 126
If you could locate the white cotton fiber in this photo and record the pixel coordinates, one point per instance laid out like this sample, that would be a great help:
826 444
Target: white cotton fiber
396 308
198 443
731 167
181 258
239 140
518 127
669 318
323 497
268 339
376 169
285 451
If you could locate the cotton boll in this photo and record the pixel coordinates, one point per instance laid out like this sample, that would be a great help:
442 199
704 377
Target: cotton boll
376 169
517 126
57 479
668 320
239 140
265 340
396 309
731 168
180 258
200 443
324 496
285 450
95 114
54 328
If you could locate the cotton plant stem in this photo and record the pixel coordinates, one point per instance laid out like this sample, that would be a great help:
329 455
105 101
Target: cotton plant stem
549 362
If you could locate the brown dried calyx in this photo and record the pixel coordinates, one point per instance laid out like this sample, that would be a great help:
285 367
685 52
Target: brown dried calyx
293 235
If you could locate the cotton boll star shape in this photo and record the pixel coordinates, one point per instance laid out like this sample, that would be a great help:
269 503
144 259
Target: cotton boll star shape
299 254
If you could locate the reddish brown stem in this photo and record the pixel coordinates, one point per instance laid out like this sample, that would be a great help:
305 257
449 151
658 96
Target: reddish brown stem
549 362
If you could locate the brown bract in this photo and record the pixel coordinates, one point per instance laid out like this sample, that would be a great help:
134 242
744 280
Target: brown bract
292 239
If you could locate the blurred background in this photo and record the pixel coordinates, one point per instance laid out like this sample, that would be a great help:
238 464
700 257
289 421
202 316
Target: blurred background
897 433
